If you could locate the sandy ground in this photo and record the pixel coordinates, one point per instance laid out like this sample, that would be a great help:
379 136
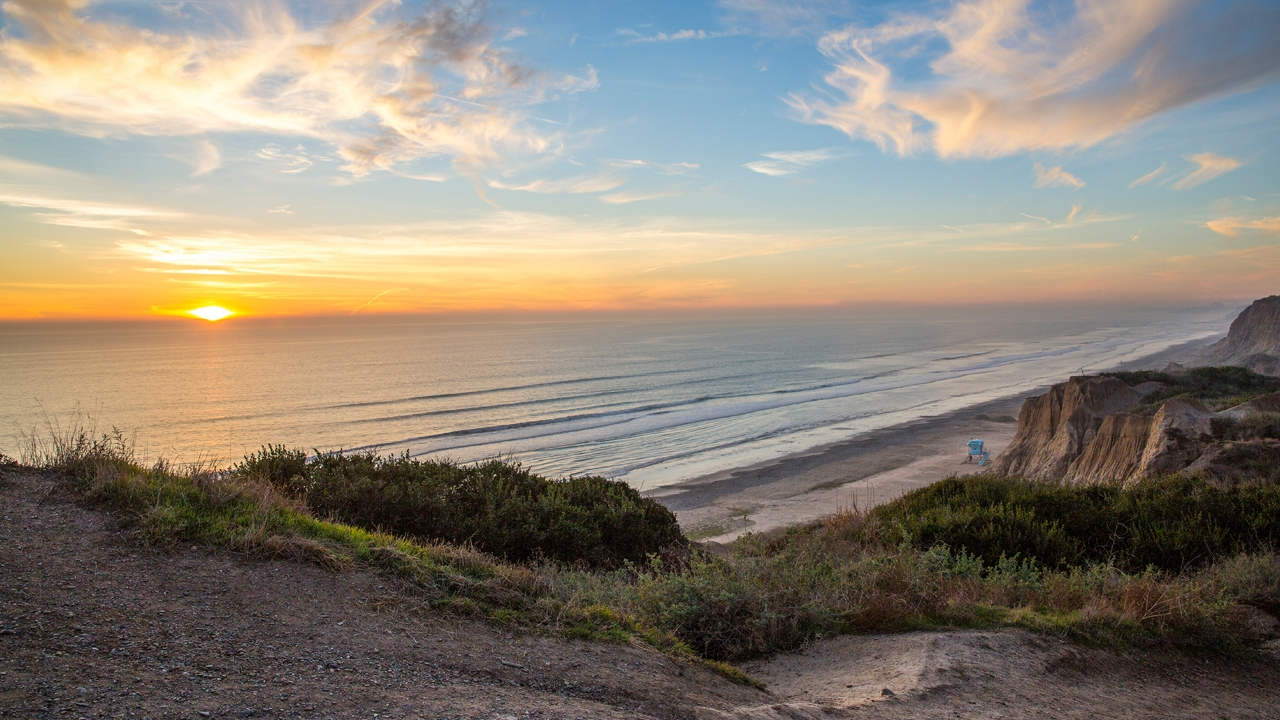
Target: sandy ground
865 471
1007 674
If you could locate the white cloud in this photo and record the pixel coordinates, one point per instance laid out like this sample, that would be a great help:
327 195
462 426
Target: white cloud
207 158
1149 176
380 85
600 182
1210 167
782 162
90 214
680 168
630 196
295 161
1010 77
677 36
1055 177
1231 226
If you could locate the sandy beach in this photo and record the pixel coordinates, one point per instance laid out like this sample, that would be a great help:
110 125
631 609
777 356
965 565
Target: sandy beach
866 470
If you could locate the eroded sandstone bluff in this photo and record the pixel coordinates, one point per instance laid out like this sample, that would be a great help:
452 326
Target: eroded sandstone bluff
1253 340
1098 429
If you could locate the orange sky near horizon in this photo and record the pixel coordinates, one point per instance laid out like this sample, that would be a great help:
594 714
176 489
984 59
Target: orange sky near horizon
297 160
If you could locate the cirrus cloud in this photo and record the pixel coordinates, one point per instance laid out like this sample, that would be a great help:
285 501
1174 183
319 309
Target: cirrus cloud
1231 226
1055 177
1007 77
381 85
1210 167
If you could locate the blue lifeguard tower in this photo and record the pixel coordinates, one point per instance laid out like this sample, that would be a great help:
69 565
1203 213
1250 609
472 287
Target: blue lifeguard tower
978 450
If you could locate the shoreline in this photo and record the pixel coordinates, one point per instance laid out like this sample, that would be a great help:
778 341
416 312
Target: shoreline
864 470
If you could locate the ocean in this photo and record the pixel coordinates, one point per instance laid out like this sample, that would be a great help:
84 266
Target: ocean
650 399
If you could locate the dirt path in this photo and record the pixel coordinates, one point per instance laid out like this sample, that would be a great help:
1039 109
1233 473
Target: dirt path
1007 674
91 626
94 627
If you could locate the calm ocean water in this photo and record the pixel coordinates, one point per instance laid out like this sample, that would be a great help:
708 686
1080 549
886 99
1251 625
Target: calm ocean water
652 400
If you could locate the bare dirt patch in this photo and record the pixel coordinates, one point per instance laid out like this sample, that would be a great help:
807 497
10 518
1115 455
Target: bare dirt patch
1007 674
94 626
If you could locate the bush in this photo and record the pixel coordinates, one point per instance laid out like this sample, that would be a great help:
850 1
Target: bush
499 507
1258 426
1219 387
1171 524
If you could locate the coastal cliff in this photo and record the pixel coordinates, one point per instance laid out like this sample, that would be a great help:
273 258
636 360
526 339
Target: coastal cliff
1055 428
1104 429
1253 341
1222 423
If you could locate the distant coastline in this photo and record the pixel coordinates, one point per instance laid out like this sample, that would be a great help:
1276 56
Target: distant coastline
867 469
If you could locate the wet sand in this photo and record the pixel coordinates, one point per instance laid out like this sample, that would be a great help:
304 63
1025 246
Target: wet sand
866 470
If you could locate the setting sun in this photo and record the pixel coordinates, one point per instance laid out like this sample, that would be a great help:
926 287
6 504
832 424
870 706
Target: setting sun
212 313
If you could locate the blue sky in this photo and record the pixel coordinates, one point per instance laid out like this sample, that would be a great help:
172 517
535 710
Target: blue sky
317 158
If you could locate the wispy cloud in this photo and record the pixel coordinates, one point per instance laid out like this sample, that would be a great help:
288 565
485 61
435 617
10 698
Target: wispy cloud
207 158
84 213
1149 176
630 196
790 162
680 35
1210 167
380 85
1009 78
679 168
1232 226
294 161
600 182
1055 177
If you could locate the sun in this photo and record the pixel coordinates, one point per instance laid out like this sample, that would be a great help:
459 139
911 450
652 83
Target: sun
212 313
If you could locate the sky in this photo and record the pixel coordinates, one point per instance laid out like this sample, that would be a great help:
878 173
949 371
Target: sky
346 158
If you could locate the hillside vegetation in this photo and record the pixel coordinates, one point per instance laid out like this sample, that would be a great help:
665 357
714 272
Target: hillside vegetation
1217 388
497 507
965 552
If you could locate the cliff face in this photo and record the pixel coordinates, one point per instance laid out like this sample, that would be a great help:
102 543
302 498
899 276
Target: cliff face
1132 446
1086 431
1253 340
1054 429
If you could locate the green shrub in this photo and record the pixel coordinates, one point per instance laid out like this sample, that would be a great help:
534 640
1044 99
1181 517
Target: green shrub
1219 387
285 468
499 507
1170 524
1258 426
